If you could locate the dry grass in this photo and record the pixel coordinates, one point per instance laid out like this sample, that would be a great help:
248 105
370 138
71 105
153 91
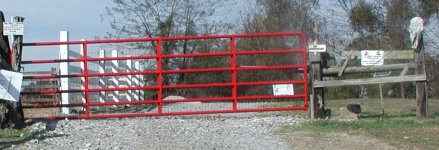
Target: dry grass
397 127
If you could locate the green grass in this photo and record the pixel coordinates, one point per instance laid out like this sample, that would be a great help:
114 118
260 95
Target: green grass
398 126
397 132
10 135
364 125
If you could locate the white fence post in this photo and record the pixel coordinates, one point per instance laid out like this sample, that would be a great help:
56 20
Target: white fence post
136 81
129 79
102 81
81 52
115 79
64 70
139 79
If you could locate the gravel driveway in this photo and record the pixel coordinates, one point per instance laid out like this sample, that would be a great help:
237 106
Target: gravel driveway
220 131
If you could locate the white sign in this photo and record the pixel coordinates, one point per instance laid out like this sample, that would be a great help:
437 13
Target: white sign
13 28
372 57
317 48
283 89
10 85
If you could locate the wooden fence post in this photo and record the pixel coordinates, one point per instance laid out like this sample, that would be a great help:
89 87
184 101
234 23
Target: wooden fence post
416 28
9 110
318 102
421 86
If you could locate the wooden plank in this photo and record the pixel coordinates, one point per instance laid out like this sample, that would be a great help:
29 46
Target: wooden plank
388 54
345 64
348 82
336 70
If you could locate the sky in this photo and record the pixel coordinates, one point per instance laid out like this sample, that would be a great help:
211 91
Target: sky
45 18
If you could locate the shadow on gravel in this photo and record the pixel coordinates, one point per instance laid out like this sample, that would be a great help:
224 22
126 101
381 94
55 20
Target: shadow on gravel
35 135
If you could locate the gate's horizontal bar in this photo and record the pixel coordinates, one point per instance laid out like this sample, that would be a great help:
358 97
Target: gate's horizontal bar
122 58
45 61
52 105
53 76
213 99
122 73
197 85
270 52
301 36
124 88
197 70
124 103
270 96
270 67
122 115
271 82
197 55
51 92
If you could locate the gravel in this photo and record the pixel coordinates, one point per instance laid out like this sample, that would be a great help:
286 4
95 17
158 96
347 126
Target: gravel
218 131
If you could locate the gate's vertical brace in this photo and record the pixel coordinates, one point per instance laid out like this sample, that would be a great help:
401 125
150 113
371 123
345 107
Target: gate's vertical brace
234 74
85 72
159 76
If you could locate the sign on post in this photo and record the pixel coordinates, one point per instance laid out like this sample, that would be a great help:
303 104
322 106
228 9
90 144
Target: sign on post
372 57
10 85
283 89
13 28
317 48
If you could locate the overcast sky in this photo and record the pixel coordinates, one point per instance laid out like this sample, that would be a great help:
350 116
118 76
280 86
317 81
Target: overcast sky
45 18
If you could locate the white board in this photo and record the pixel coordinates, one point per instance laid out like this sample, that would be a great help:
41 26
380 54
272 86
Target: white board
283 89
13 28
320 48
372 57
10 85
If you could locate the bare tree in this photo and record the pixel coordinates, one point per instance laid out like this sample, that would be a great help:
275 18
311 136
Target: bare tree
164 18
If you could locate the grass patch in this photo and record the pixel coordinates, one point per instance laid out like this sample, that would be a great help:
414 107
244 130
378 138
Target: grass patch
398 126
8 134
397 132
364 125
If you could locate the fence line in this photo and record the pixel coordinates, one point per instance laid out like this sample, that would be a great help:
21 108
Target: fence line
103 81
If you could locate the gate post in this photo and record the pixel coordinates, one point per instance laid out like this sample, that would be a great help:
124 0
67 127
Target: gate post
317 99
421 86
416 29
64 69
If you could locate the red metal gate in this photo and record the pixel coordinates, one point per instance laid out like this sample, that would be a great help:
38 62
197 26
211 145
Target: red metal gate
240 71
